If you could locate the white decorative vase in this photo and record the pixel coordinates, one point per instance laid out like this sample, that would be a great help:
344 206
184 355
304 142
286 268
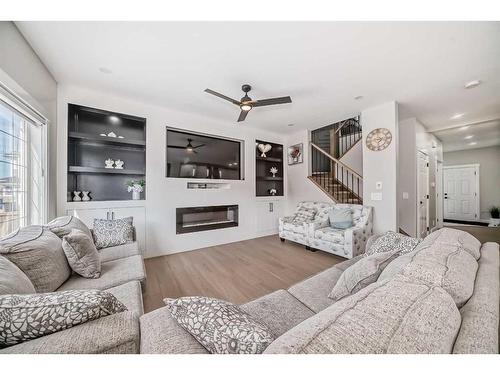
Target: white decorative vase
76 196
263 148
85 196
136 195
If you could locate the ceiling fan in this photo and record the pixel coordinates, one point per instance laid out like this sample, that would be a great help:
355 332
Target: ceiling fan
246 103
189 147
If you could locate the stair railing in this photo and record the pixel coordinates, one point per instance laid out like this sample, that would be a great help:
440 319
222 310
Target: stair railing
347 134
338 180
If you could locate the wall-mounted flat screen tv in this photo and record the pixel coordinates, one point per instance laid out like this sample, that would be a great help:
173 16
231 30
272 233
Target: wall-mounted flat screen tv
194 155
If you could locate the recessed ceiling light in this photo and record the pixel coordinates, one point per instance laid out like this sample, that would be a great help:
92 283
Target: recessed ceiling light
472 143
291 125
105 70
472 84
358 97
457 116
469 137
464 127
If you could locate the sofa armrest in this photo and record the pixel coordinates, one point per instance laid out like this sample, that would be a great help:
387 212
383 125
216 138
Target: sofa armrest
117 333
355 239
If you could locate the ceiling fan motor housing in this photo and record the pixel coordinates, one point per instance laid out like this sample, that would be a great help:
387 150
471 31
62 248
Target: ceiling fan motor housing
246 88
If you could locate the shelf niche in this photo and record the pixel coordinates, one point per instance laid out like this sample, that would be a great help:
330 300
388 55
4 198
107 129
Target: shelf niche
88 149
264 180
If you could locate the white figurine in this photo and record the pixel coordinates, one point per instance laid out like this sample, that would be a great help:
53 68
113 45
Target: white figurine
85 196
273 170
76 196
109 163
263 148
118 164
112 135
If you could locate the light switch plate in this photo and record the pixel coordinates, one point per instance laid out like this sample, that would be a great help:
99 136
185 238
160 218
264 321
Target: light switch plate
376 196
378 185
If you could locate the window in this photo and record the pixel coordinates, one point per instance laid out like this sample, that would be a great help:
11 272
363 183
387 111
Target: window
22 161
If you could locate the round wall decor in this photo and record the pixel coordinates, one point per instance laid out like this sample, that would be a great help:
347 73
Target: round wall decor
378 139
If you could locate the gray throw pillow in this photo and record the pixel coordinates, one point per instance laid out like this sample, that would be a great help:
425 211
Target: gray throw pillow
361 274
392 241
82 254
27 317
63 225
13 280
304 215
221 327
340 218
38 253
115 232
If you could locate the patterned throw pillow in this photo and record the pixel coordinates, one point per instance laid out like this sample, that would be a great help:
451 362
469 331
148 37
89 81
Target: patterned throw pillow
25 317
392 241
115 232
221 327
340 218
304 215
82 254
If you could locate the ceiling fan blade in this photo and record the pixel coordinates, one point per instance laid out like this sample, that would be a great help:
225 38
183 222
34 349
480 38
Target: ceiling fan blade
272 101
243 116
199 145
182 147
222 96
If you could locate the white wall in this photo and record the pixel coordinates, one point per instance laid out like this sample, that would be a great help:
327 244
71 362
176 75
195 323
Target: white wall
488 159
299 187
381 166
23 72
165 194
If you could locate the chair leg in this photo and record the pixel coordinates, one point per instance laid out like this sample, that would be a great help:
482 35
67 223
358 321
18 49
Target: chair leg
282 239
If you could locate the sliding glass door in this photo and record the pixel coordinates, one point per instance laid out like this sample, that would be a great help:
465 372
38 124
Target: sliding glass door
22 161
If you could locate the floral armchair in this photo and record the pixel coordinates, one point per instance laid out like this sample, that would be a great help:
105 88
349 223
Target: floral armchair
318 234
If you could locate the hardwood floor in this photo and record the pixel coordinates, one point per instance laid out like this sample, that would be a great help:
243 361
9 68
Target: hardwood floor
483 234
237 272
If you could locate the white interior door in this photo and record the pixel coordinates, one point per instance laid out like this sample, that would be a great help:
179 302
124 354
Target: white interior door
439 194
461 192
422 195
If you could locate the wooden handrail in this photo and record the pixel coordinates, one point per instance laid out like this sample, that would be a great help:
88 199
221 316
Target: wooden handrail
335 160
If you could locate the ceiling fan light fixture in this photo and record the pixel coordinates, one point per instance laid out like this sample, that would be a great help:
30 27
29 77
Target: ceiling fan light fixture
245 107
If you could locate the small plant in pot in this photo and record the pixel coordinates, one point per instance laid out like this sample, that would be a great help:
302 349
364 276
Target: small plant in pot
136 187
495 216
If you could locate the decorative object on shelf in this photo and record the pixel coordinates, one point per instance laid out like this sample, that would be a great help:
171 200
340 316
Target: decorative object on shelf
273 170
136 187
295 155
119 164
121 136
263 148
103 135
273 191
109 163
112 135
378 139
76 196
495 217
85 196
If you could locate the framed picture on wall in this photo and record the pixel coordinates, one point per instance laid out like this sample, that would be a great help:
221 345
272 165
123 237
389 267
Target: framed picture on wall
295 154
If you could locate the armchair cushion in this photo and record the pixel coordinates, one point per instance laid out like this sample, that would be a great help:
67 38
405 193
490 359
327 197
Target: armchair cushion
330 234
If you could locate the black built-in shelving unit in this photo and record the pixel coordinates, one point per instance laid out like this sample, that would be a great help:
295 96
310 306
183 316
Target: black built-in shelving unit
264 180
87 151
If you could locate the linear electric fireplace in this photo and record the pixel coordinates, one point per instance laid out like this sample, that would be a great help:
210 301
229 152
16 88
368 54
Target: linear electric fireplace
197 219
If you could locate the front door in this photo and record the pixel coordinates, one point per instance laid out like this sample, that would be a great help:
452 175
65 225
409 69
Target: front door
461 192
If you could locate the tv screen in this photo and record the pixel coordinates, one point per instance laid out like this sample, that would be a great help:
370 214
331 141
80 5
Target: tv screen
191 155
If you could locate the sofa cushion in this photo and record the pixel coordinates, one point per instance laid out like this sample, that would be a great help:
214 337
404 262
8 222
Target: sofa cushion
119 252
113 232
392 241
130 294
340 218
113 273
330 234
26 317
394 316
81 253
63 225
479 330
453 237
313 291
361 274
220 326
38 253
279 311
112 334
161 334
13 280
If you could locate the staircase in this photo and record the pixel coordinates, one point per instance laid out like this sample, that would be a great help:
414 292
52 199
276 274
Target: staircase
329 144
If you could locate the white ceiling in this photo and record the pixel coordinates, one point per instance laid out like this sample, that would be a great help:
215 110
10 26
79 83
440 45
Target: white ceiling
322 66
485 134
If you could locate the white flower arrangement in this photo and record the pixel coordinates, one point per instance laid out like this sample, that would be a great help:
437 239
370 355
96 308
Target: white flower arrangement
273 170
